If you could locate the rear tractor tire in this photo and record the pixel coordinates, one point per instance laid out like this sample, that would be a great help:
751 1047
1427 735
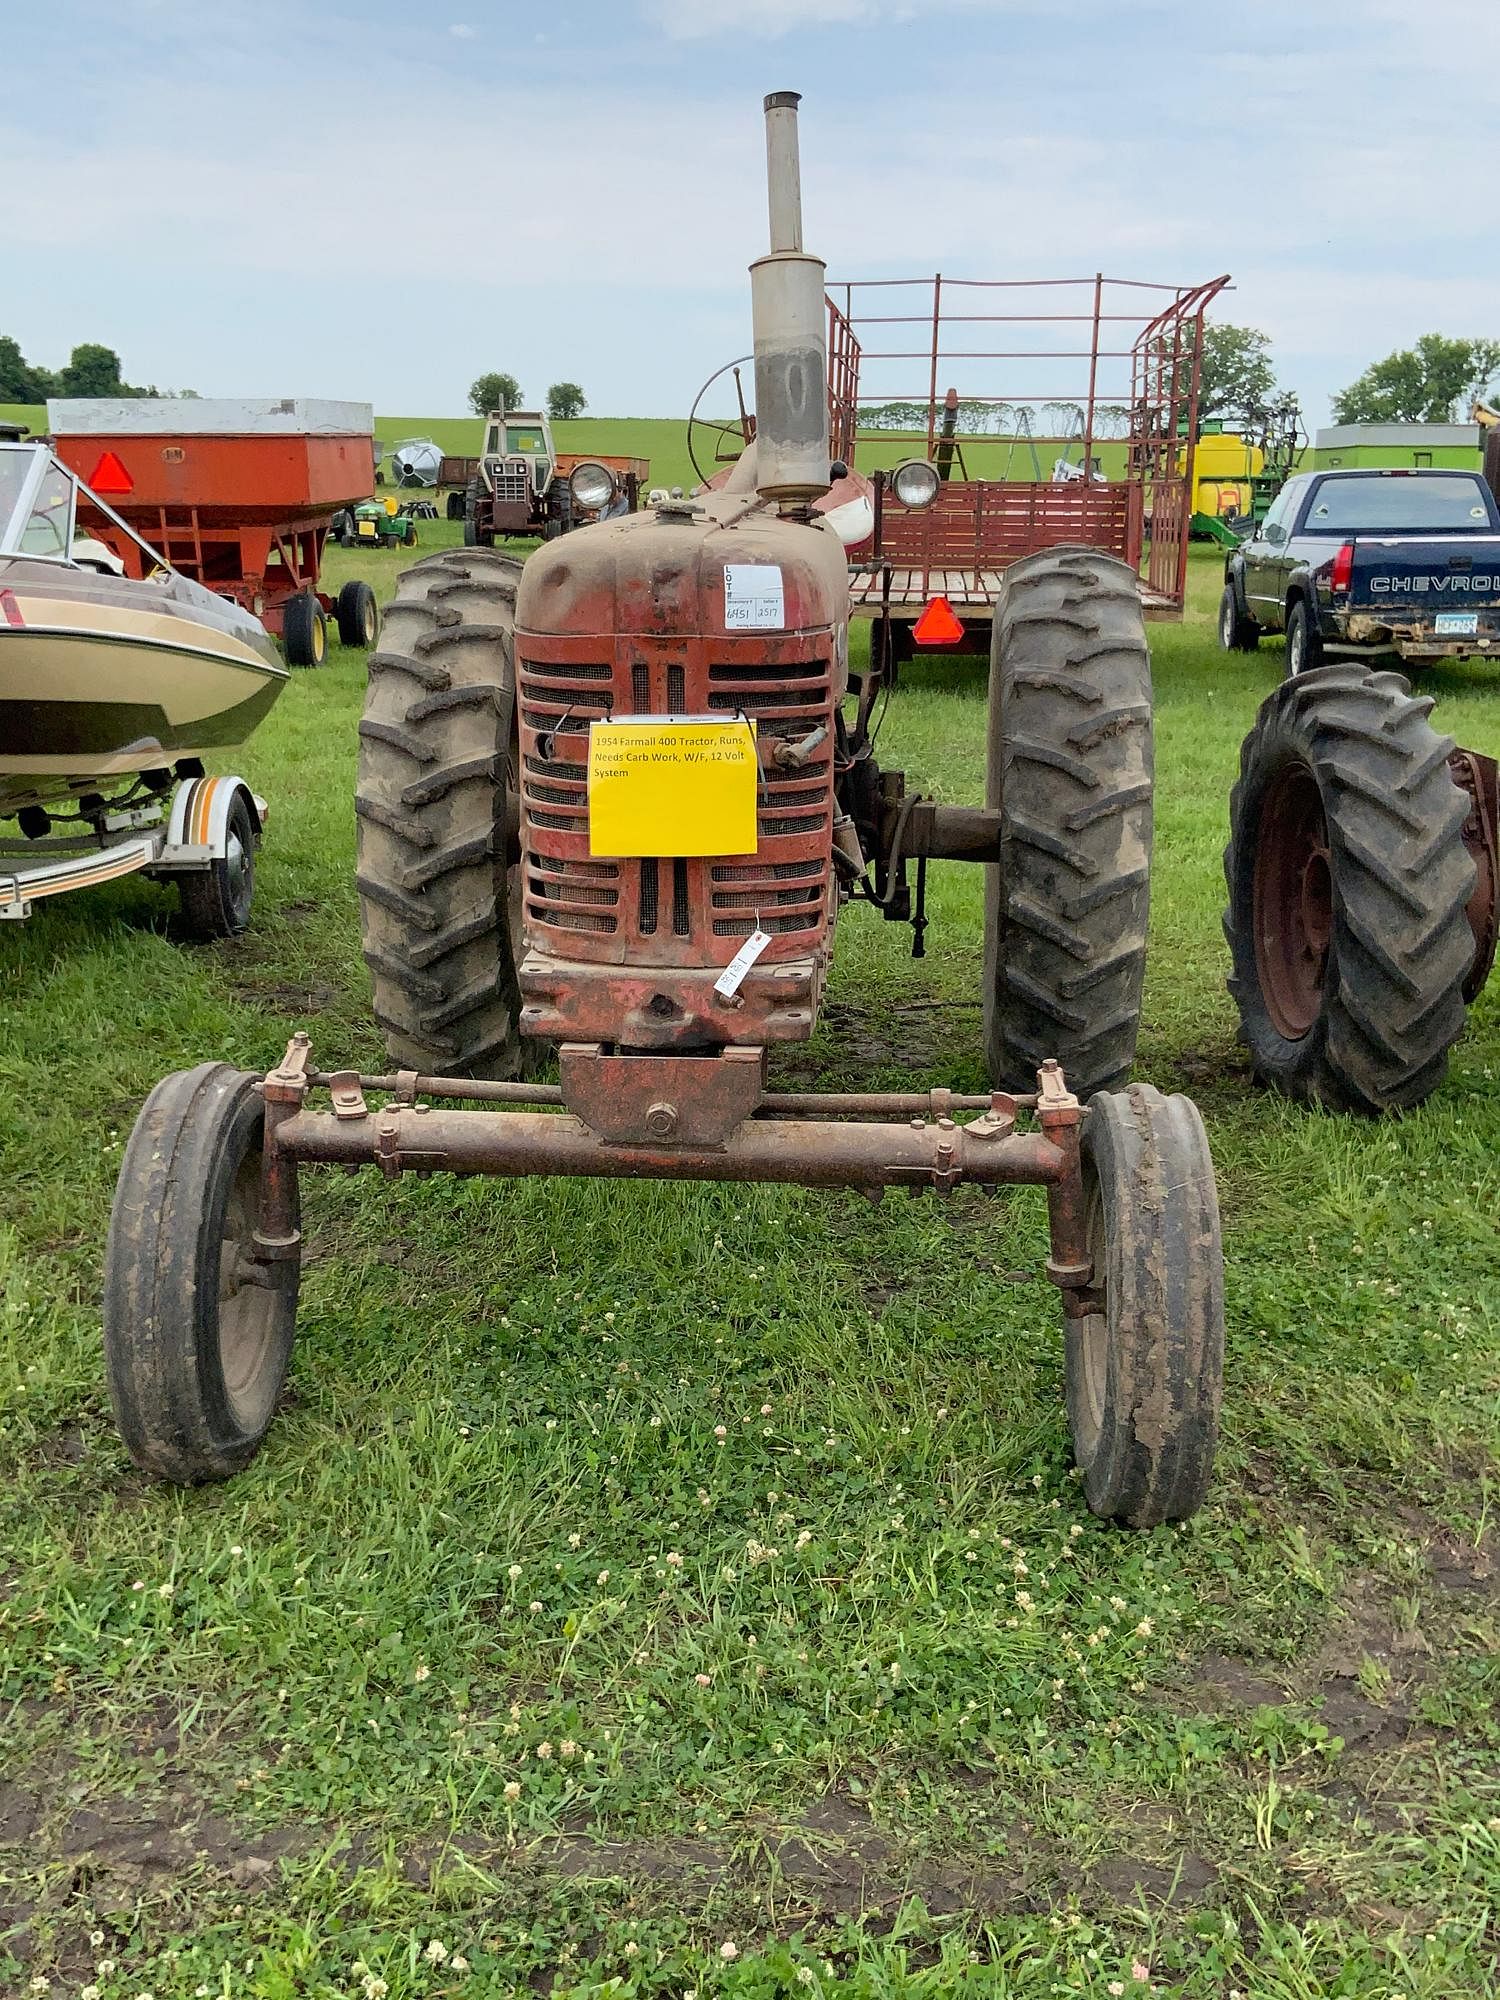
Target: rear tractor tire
1070 771
1348 884
1145 1370
197 1330
440 904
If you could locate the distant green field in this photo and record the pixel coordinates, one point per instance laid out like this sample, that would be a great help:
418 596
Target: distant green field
663 440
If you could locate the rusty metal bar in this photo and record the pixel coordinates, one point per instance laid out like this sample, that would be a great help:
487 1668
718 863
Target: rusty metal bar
792 1103
414 1139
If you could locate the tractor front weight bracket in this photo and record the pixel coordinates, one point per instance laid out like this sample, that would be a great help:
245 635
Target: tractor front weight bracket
674 1117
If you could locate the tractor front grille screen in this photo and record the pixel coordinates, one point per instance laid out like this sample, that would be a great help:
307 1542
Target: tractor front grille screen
512 487
670 911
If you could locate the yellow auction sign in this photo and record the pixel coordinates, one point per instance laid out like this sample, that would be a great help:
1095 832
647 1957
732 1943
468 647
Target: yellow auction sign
669 787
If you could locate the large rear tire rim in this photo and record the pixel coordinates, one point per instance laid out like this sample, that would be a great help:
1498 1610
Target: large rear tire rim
247 1309
1293 899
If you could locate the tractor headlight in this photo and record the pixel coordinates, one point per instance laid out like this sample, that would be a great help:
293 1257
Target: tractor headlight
915 483
592 486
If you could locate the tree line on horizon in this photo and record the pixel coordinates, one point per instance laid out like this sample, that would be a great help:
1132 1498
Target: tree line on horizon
92 369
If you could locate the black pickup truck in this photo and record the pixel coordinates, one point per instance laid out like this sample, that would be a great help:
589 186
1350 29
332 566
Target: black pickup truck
1367 562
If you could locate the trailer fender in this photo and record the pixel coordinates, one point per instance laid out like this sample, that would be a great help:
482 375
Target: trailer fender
198 830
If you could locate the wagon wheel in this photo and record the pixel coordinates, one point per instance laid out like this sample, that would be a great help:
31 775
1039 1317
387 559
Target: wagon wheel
720 443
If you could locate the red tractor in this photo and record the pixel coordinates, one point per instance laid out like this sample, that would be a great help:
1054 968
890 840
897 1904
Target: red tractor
615 801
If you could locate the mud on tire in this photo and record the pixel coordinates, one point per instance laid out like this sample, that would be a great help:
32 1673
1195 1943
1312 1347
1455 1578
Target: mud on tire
1070 770
439 907
1348 883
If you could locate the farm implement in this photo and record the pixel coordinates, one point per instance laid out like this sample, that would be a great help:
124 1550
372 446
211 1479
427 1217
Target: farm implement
239 495
616 801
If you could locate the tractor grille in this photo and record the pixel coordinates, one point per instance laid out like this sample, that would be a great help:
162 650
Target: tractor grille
512 487
669 911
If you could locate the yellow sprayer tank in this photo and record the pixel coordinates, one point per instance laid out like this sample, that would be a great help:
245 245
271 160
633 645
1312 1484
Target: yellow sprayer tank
1223 466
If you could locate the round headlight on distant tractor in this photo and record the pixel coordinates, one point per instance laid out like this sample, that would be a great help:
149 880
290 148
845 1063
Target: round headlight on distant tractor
915 483
592 486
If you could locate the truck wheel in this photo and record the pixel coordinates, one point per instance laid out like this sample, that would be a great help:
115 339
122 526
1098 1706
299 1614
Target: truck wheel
197 1332
216 903
304 631
1145 1371
440 908
358 617
1069 769
1348 885
1304 648
1238 631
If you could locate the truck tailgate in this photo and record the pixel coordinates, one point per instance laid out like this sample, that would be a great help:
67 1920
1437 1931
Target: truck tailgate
1448 586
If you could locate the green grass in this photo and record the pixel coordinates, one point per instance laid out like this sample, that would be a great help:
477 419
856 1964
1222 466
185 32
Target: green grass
903 1719
663 440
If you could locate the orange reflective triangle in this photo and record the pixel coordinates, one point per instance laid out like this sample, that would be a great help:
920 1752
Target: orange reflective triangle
110 476
937 624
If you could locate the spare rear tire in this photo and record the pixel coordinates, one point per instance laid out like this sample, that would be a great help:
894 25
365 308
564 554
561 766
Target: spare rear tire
1348 887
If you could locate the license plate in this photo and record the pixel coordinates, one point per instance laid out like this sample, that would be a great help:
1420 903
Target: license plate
669 785
367 528
1457 624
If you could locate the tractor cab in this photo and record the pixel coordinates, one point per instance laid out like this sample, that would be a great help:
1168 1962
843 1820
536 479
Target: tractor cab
519 459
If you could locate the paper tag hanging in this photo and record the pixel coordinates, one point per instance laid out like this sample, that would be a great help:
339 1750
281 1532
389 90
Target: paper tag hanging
732 978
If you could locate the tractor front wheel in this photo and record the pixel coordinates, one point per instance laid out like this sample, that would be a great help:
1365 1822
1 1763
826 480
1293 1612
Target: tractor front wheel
1145 1368
197 1327
1348 886
439 762
1070 771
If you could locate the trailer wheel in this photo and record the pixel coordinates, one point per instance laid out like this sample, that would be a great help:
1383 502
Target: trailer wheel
472 498
1070 770
455 506
1238 631
1145 1370
304 631
1348 889
357 615
216 902
197 1332
440 904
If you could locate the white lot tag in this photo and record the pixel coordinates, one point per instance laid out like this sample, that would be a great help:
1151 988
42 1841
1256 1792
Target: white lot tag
732 978
754 600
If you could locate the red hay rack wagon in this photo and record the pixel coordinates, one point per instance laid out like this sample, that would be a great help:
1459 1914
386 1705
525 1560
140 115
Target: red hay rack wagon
982 377
237 493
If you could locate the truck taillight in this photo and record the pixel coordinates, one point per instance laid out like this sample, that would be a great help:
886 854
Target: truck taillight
1342 574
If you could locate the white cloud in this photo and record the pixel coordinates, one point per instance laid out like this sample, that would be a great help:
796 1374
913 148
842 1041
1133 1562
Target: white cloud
462 32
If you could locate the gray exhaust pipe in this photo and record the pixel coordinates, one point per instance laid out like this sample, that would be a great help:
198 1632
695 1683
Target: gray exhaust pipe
791 336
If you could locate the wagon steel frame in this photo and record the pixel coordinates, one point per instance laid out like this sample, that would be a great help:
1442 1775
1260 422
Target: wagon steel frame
1142 349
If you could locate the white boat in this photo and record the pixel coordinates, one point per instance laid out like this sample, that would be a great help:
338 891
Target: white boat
118 678
111 664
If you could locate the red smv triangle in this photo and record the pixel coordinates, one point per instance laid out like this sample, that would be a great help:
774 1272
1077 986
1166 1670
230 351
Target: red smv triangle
110 476
937 625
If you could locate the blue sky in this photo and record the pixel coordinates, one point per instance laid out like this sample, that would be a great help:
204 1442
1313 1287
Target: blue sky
379 200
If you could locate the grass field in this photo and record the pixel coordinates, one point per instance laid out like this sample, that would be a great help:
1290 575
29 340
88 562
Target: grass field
663 440
684 1591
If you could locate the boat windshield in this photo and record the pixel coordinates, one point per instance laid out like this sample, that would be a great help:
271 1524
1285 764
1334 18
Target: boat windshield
45 510
36 504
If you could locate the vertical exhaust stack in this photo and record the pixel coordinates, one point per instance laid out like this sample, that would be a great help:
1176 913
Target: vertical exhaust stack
791 336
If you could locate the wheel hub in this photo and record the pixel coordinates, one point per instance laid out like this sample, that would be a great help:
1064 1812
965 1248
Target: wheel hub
1293 902
247 1307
